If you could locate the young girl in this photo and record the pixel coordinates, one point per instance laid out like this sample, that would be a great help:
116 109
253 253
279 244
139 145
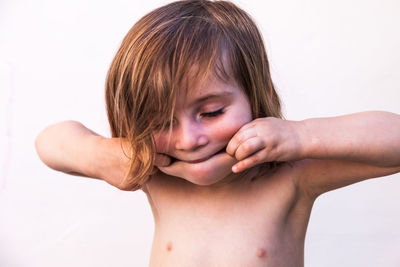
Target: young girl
197 125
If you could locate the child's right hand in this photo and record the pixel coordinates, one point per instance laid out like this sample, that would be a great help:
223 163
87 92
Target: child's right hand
161 160
114 162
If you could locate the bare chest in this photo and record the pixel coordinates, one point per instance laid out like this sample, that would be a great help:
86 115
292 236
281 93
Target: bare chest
232 241
250 229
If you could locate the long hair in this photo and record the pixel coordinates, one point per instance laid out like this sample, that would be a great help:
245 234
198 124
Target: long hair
174 43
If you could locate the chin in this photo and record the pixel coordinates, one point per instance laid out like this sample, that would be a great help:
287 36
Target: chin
208 172
208 177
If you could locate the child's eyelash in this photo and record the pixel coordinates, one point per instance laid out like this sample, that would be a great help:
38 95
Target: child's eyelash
213 113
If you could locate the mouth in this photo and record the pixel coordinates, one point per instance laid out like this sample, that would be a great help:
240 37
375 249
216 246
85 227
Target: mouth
202 159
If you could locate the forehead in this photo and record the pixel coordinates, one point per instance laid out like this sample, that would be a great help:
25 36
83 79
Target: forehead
212 87
203 77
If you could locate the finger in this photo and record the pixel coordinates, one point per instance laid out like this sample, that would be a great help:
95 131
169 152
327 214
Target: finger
240 137
257 158
249 147
177 168
252 124
162 160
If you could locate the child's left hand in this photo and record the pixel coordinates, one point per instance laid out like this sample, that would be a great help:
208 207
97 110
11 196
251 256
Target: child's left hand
265 140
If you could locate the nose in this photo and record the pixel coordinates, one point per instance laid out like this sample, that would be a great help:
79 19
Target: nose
190 136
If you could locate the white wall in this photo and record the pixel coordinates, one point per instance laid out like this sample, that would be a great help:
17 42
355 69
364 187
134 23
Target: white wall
327 58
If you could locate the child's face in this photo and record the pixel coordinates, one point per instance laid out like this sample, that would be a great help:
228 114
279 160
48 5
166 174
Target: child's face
205 120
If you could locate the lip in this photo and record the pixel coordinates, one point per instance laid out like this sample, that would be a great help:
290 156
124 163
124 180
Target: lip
205 158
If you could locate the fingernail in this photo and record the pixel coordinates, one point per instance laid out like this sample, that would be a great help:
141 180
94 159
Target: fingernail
234 168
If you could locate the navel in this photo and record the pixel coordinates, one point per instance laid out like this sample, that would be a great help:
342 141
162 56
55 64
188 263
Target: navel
261 253
169 246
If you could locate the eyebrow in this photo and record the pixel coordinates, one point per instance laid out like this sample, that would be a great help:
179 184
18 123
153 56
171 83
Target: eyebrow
211 96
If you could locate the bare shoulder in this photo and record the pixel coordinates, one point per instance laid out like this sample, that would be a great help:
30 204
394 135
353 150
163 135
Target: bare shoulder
317 176
280 185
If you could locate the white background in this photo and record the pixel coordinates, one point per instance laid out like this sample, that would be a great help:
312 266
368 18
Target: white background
327 58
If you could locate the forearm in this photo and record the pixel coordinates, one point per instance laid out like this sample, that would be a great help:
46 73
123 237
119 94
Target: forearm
72 148
370 137
68 147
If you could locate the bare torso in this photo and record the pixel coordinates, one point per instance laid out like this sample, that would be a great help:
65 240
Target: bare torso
246 223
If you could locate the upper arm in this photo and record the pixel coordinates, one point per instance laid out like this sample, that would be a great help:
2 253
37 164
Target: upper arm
318 176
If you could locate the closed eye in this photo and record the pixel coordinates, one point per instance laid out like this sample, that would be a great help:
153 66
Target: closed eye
212 114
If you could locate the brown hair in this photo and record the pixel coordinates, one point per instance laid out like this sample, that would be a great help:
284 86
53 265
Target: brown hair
158 55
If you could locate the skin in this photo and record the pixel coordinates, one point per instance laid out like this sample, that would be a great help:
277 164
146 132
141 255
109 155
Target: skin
205 121
209 210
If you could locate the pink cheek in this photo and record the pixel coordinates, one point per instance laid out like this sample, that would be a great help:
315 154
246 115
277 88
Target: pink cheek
227 129
161 143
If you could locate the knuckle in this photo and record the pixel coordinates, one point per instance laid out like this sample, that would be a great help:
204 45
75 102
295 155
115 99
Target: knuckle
251 161
246 147
238 138
257 157
248 162
254 160
230 148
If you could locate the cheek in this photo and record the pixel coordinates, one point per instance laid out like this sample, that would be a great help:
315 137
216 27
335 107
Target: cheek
162 141
227 128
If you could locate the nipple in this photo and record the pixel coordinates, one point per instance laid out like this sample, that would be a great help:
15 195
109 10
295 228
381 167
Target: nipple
261 253
169 246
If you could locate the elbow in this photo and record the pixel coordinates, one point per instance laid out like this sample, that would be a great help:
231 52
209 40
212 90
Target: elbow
41 146
48 148
49 144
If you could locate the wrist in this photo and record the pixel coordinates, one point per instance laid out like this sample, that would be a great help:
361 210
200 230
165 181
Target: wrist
109 160
307 141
